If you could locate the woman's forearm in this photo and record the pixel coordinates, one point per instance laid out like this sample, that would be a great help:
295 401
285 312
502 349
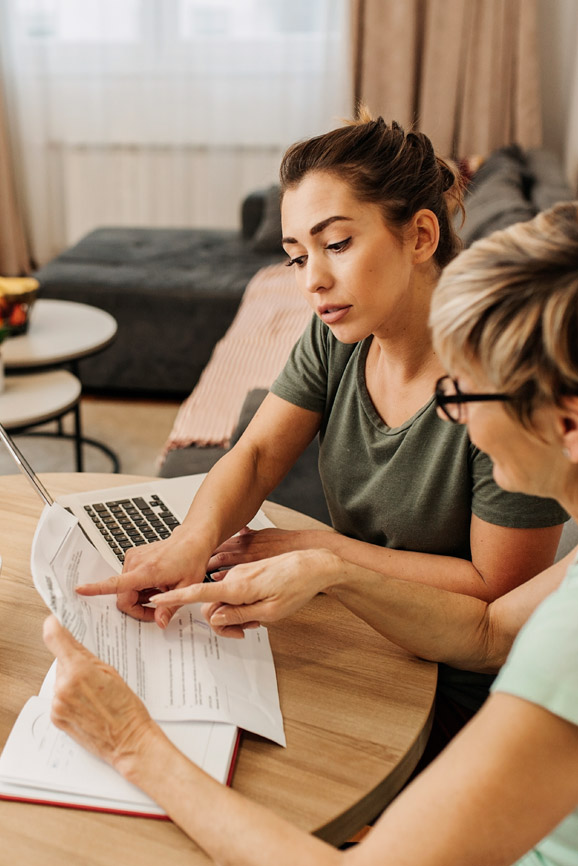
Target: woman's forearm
231 829
442 626
465 808
443 572
238 483
432 623
228 498
512 760
502 559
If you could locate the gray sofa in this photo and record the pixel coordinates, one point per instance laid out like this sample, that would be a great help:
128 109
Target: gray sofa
173 292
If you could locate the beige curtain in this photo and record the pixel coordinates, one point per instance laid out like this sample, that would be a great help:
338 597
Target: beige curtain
464 71
14 254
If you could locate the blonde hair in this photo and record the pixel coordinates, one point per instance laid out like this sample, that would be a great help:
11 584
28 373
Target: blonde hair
386 166
508 307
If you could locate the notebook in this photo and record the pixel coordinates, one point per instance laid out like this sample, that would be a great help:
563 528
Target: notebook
41 764
117 518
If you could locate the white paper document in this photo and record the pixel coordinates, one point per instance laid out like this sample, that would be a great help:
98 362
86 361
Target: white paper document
185 672
41 763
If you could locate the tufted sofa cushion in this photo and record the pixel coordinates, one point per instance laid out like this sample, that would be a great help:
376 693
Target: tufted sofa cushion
173 292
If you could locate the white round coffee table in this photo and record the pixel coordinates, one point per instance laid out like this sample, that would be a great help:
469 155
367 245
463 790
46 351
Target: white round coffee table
59 332
38 397
35 398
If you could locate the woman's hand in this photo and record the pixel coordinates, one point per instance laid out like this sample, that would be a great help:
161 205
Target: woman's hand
250 545
258 592
175 562
93 704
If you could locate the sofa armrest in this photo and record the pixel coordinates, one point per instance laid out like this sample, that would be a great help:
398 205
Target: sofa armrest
192 460
252 210
252 402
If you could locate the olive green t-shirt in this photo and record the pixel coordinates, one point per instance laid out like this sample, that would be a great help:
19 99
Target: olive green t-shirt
412 487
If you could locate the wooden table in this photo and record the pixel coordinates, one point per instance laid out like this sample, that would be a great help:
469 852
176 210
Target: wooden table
357 713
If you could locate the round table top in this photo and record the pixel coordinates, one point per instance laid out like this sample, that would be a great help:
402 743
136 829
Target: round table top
37 397
356 708
59 331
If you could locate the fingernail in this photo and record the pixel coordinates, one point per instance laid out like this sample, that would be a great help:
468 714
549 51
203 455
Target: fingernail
164 620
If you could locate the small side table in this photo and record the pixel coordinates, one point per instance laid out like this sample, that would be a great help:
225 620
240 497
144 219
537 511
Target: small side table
60 333
30 400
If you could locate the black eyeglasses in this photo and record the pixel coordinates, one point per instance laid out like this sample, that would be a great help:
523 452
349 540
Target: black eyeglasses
449 398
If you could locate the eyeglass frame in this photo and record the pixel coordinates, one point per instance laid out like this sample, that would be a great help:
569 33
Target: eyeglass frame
460 397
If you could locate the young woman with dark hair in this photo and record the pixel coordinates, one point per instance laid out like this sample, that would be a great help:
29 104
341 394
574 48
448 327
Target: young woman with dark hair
367 224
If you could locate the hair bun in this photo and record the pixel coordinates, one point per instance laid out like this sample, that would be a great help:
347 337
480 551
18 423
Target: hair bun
448 176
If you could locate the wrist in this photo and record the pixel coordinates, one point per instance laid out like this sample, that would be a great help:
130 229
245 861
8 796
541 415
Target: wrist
138 749
193 542
341 576
327 568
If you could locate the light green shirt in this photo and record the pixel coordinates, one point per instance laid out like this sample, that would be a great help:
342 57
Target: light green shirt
542 667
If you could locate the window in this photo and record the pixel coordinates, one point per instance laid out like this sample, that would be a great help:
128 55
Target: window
194 71
163 112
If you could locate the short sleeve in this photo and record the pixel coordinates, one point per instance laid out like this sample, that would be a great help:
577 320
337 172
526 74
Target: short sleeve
304 379
503 508
542 666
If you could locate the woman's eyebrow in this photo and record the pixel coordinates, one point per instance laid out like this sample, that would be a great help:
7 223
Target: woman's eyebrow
318 228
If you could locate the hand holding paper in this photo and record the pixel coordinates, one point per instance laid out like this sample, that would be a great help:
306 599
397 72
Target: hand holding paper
101 719
183 672
92 703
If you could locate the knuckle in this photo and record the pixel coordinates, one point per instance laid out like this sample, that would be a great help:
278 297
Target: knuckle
66 684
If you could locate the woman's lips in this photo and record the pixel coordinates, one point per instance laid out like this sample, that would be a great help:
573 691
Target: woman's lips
331 315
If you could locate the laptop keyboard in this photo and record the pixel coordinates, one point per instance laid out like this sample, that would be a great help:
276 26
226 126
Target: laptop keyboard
126 523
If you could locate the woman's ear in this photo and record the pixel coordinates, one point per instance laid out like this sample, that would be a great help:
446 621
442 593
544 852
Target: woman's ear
568 425
426 235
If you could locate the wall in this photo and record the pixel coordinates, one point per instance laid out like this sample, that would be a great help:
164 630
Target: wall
558 38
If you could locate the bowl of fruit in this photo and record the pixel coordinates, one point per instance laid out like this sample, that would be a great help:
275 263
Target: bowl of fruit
17 296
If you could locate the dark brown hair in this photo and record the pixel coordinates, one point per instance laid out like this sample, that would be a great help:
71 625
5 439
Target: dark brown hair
384 165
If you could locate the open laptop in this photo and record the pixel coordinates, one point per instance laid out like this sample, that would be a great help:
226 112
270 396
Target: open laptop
118 518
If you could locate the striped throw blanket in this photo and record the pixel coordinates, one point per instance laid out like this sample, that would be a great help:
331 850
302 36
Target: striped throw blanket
270 319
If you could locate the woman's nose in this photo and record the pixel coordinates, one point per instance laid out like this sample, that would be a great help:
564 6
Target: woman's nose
317 275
